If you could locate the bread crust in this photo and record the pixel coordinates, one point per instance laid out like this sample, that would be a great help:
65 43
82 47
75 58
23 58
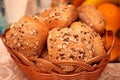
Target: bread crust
59 16
92 17
27 36
77 43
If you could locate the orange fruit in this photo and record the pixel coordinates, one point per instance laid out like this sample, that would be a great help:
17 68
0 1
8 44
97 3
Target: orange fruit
111 12
115 53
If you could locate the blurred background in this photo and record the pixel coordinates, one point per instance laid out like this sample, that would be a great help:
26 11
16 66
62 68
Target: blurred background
12 10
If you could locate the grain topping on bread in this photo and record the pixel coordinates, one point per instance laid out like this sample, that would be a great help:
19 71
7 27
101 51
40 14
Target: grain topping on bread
73 44
27 36
77 43
59 16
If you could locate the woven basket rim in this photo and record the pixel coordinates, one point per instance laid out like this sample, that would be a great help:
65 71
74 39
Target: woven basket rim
82 73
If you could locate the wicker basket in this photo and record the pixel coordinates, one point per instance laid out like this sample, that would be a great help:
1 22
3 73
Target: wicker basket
41 69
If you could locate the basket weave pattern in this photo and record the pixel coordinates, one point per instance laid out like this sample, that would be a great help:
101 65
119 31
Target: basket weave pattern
34 74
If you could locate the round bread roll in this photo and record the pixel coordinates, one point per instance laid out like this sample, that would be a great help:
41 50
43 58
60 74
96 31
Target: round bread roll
77 43
59 16
92 17
27 36
97 42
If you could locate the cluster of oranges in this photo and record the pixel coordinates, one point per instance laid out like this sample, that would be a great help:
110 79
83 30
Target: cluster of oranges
111 12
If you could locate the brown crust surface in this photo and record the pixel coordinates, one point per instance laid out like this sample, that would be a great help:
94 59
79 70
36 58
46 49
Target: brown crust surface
92 17
27 36
59 16
77 43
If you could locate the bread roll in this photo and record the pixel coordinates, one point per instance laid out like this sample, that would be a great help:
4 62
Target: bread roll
92 17
27 36
59 16
77 43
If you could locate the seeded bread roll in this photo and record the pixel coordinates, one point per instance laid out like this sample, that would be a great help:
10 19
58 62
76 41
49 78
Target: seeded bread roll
92 17
77 43
27 36
97 43
59 16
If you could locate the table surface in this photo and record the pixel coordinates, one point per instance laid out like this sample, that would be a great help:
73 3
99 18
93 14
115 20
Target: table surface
10 71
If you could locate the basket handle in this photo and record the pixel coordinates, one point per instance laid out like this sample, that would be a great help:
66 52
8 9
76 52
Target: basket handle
109 32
